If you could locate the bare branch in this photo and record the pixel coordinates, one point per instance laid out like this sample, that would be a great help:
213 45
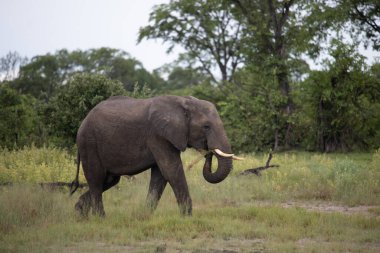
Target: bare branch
257 170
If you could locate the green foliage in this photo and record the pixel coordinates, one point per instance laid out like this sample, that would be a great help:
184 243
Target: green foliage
183 77
245 56
334 109
9 65
363 17
44 74
75 99
251 112
141 91
18 118
263 104
343 103
206 29
40 78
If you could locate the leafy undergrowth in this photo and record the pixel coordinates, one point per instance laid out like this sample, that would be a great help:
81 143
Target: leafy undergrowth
229 216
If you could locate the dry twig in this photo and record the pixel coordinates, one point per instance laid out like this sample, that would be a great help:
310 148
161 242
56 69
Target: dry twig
257 171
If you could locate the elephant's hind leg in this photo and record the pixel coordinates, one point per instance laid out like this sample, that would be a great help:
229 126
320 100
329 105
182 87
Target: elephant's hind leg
97 196
156 188
84 203
96 176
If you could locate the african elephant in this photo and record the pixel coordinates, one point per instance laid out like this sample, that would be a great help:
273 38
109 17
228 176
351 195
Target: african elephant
126 136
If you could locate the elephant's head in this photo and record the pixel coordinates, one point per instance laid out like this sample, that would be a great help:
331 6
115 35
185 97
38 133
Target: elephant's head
191 122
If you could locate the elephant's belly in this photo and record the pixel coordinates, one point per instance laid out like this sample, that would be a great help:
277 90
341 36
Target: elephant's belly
126 160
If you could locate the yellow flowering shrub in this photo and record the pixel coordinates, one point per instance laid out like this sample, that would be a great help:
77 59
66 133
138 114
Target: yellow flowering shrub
36 165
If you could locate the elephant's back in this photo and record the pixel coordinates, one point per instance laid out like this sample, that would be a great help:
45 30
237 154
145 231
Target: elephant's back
121 106
109 115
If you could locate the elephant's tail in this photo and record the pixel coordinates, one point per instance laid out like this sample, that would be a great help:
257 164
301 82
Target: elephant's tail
75 184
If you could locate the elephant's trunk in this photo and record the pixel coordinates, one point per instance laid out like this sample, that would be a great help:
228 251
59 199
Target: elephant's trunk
224 168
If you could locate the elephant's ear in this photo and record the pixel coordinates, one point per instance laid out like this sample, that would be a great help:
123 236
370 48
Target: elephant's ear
169 119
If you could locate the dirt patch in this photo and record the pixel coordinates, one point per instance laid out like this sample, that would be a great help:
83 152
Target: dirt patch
169 246
331 207
305 242
328 207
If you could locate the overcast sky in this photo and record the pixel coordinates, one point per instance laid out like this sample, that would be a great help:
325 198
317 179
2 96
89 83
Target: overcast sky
35 27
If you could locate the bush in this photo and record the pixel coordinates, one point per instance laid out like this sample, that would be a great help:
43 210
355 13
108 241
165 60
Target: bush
74 100
18 118
36 165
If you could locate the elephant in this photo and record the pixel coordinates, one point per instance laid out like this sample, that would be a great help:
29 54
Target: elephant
126 136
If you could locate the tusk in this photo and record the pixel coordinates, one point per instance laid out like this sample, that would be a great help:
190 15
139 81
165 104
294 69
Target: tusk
221 153
237 158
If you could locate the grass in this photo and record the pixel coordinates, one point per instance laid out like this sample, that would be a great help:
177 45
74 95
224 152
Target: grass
241 214
36 165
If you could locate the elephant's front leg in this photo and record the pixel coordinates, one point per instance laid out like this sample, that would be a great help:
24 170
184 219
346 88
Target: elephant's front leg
181 191
169 161
156 188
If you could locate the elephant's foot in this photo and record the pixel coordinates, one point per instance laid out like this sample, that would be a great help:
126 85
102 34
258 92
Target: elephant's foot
82 208
83 205
98 212
186 209
97 206
152 202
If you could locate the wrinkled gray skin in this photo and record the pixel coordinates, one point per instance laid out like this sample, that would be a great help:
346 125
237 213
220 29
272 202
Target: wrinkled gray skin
126 136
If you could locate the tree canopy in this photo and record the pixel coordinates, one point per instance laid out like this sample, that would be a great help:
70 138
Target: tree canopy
249 57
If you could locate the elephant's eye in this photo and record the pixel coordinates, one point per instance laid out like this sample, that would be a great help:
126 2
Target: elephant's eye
206 127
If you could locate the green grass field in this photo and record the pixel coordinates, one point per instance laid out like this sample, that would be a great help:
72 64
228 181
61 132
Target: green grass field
311 203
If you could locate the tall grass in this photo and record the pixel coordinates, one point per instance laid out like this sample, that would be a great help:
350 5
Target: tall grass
36 165
33 219
27 205
226 216
353 179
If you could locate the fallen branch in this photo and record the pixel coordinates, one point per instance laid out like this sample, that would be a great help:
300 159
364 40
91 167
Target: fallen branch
60 184
257 171
48 185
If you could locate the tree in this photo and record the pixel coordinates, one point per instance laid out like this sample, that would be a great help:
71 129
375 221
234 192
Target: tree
277 32
18 118
10 64
131 72
40 78
182 77
206 29
75 99
267 37
252 116
343 103
44 74
364 14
